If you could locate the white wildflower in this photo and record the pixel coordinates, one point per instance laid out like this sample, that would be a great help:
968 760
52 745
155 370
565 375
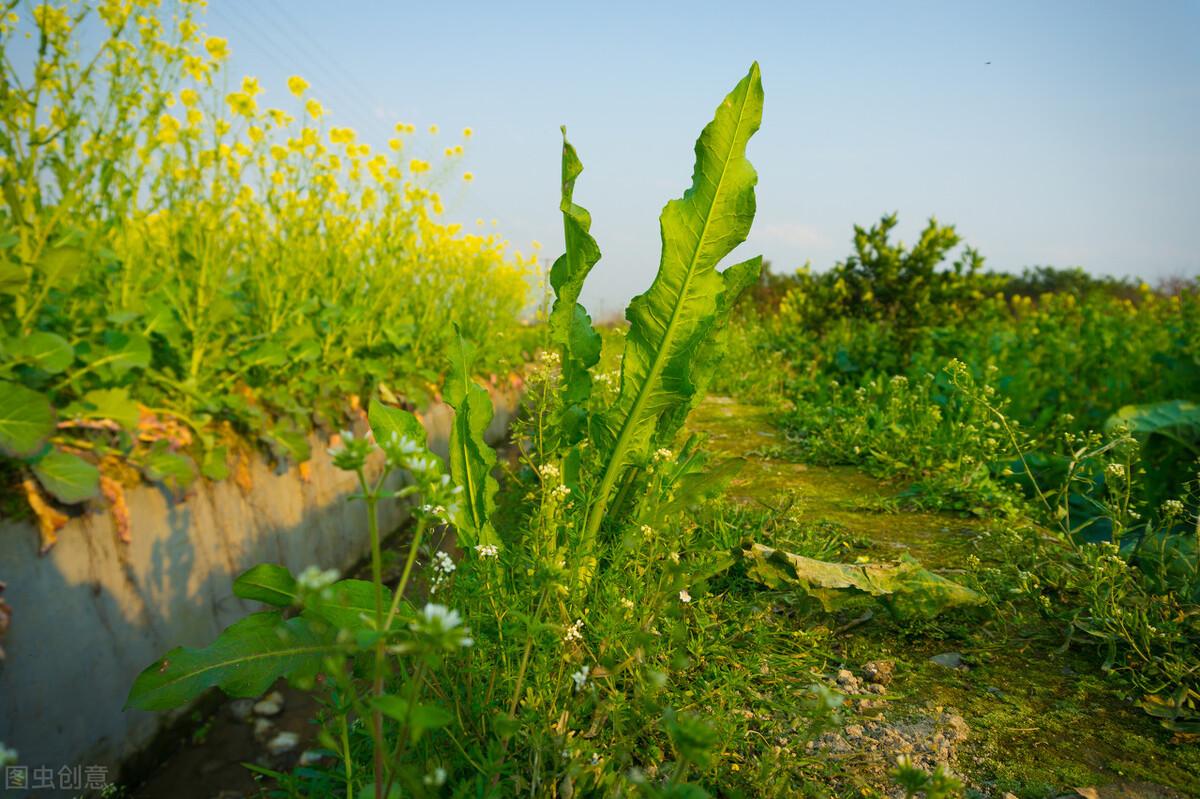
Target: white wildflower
663 454
684 596
436 777
443 563
560 493
487 550
574 632
580 677
1116 471
549 472
314 579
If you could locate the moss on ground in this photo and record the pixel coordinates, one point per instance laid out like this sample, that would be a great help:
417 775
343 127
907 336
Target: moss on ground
1042 721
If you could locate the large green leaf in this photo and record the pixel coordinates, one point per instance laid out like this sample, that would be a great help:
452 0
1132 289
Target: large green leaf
386 421
1177 420
47 351
346 604
26 420
471 459
269 583
106 403
570 326
667 362
244 660
908 590
68 477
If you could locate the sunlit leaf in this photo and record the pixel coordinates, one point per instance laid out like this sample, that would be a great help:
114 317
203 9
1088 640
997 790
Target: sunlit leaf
69 478
26 420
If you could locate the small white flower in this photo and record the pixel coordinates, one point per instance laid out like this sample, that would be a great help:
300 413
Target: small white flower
436 777
684 596
443 564
647 531
487 550
549 471
314 579
574 632
627 603
663 454
580 677
1115 470
560 493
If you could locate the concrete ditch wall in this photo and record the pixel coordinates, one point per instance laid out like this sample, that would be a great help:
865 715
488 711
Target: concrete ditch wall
92 613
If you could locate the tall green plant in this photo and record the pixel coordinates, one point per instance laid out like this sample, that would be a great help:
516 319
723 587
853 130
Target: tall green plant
670 350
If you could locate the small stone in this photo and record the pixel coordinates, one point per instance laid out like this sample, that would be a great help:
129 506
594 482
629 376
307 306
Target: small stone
270 705
283 742
310 757
876 688
241 709
854 731
879 672
847 680
950 660
262 728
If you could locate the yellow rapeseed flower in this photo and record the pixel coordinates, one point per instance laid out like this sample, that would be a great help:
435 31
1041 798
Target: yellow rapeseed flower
417 166
217 48
168 129
433 129
468 176
396 144
314 109
297 85
241 104
467 133
250 86
189 97
194 118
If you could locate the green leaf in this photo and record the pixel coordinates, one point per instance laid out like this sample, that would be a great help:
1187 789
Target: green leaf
68 477
661 374
26 420
350 605
471 459
293 443
908 590
570 326
420 718
106 403
267 582
170 468
123 352
46 351
216 463
1178 420
386 421
244 660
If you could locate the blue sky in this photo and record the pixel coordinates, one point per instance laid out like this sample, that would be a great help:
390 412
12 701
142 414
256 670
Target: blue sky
1079 144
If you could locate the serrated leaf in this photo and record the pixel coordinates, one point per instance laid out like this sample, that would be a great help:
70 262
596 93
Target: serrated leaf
68 477
26 420
661 375
386 421
471 459
47 351
570 326
267 582
244 661
908 590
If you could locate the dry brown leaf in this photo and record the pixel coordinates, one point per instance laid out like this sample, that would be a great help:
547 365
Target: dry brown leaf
114 492
1087 793
242 475
50 520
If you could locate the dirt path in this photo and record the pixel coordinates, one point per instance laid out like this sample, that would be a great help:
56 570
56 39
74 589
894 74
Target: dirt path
1006 708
